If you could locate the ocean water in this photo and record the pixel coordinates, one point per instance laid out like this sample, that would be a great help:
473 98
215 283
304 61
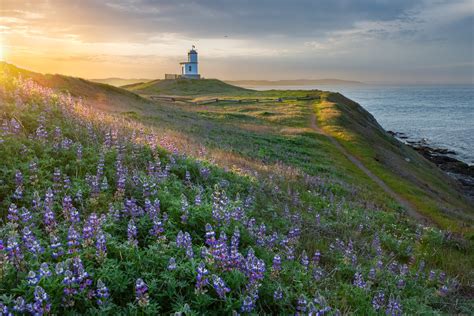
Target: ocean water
443 115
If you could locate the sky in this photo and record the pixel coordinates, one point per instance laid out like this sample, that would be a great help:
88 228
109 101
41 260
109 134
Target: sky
386 41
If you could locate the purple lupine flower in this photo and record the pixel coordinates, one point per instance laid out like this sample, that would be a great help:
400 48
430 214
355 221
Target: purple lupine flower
219 286
359 281
13 214
372 274
41 304
87 234
184 209
276 267
378 302
72 240
101 245
44 270
141 292
301 306
210 236
30 242
18 194
401 283
132 233
235 258
79 152
32 278
26 216
316 257
247 305
157 228
278 294
102 293
304 260
254 268
33 167
443 291
442 277
318 273
104 186
59 268
56 247
290 253
20 305
69 291
18 178
49 219
432 276
394 308
172 264
201 278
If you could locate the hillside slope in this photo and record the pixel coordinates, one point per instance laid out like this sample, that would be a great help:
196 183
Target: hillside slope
99 95
184 87
220 208
432 192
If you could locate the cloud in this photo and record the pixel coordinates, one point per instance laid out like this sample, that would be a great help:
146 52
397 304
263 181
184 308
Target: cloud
327 34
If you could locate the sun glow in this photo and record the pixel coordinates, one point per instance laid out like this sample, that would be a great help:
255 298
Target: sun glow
1 52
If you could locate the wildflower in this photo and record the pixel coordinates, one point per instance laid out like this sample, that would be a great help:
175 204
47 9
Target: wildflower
13 214
72 240
31 243
394 308
172 264
359 281
102 293
443 291
20 305
14 253
44 270
25 216
219 286
32 278
304 260
378 302
201 278
276 267
132 233
41 303
56 247
141 294
210 236
157 229
278 294
248 305
301 305
101 245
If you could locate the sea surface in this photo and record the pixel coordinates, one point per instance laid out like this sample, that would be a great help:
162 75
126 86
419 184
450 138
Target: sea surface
443 115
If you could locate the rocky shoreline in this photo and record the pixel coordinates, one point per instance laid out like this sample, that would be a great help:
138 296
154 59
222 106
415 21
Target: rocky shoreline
445 160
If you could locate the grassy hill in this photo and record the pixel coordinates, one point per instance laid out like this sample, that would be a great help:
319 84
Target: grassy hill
99 95
121 206
184 87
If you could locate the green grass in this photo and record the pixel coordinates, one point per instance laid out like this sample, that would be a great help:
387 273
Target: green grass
185 87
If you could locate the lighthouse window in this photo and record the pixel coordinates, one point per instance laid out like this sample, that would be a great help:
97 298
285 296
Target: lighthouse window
189 68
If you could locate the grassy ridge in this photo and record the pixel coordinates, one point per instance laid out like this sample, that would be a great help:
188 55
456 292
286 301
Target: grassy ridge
184 87
404 170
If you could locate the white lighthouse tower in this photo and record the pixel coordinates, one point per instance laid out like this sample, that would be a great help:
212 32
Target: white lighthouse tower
189 69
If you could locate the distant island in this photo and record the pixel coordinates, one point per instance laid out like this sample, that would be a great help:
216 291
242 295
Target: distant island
295 82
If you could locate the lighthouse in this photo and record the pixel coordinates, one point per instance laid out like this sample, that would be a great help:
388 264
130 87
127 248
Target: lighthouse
189 69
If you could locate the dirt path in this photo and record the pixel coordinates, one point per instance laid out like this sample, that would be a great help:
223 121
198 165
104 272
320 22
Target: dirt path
411 210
